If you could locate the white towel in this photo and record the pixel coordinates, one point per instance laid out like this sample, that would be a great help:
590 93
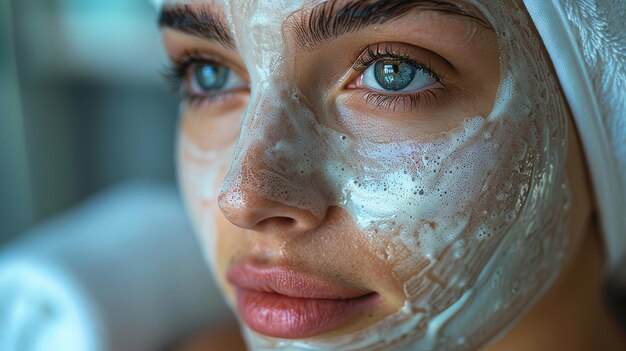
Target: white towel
587 43
122 272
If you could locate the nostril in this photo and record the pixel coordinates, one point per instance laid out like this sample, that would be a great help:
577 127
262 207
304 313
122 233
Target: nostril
278 221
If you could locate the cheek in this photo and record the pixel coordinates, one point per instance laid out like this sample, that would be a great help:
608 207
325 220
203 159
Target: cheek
200 175
216 127
447 204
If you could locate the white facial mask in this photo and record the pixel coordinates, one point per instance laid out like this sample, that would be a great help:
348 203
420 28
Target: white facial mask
473 221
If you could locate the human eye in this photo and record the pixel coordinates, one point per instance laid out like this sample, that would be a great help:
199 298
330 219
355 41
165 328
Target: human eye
201 79
392 79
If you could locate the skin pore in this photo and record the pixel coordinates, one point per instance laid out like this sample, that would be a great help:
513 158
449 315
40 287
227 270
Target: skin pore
243 219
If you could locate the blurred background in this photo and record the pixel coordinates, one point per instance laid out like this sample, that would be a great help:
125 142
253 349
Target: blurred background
84 106
96 252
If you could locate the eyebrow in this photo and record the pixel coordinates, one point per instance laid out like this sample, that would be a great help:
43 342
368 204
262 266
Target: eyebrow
198 21
328 21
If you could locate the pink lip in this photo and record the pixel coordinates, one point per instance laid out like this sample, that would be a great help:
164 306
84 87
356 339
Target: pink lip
279 302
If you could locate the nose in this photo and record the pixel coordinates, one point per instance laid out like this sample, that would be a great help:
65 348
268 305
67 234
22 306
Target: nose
251 197
264 191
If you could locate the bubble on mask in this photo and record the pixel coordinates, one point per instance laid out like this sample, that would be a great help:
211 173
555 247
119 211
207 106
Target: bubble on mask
483 232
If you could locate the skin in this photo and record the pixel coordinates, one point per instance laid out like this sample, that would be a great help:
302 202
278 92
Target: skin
572 315
270 231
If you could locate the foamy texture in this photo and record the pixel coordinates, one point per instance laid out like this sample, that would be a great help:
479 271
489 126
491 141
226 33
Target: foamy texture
472 222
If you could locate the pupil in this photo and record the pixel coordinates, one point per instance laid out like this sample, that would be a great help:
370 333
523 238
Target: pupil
394 75
211 77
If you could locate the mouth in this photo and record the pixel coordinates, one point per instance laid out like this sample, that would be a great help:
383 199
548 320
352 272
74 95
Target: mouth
279 302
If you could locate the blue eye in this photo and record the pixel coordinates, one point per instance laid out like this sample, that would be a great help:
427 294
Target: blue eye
397 75
209 77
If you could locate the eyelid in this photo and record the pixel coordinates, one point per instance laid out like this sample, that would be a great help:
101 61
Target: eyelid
189 57
390 101
391 50
177 73
381 51
233 82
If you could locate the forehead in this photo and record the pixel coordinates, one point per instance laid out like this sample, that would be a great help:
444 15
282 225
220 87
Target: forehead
238 12
309 20
265 32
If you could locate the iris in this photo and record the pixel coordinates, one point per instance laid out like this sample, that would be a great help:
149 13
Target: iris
211 77
394 75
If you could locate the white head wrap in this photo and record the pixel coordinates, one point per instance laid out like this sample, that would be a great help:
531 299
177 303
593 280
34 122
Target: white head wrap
587 44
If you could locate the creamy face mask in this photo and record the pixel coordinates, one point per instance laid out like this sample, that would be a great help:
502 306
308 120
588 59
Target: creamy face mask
472 221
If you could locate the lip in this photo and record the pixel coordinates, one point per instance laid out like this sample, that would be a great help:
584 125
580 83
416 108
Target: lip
279 302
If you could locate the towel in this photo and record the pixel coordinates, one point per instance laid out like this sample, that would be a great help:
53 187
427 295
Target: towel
586 41
122 272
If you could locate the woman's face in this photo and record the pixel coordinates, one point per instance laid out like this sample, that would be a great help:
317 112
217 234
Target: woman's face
371 174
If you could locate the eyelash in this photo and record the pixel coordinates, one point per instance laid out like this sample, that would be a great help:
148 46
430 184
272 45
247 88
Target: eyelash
390 102
175 74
